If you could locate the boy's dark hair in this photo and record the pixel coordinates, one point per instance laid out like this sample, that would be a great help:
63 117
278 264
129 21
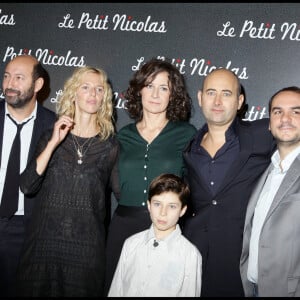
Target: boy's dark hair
169 183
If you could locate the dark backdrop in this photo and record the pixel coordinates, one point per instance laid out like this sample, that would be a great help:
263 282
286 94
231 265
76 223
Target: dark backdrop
259 41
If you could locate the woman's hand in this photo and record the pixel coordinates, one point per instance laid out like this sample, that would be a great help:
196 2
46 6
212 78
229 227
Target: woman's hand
61 128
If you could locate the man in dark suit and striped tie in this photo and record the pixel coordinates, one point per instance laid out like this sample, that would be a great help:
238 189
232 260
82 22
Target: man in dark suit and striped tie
22 121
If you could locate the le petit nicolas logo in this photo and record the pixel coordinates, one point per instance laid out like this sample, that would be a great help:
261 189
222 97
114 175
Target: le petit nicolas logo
256 112
265 31
118 99
117 22
196 66
7 20
47 56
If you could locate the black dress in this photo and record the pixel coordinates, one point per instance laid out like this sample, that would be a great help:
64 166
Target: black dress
64 249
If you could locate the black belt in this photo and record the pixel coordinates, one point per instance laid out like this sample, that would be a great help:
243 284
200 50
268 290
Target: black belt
123 210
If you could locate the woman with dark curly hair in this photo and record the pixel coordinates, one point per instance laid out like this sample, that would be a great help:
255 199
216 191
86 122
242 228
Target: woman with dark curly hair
161 106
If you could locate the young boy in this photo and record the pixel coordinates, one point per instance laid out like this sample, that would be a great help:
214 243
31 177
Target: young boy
160 261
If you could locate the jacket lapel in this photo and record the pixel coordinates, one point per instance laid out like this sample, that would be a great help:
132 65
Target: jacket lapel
255 195
38 127
290 178
2 111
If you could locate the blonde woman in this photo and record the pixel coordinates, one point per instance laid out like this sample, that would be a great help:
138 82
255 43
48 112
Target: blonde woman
64 252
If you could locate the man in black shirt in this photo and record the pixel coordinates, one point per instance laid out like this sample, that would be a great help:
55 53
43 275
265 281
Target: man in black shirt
224 161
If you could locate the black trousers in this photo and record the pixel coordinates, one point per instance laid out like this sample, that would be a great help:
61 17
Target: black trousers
126 221
11 241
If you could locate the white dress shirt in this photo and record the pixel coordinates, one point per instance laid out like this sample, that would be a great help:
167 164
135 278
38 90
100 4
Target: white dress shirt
171 269
9 133
270 188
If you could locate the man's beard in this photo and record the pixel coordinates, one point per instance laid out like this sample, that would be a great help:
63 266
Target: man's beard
19 100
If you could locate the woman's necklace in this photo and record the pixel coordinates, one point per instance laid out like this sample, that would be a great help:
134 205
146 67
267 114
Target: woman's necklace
79 148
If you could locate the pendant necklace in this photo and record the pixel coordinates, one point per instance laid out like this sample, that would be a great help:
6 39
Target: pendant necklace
79 148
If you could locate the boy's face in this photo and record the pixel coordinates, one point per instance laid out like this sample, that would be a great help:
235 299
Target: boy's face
165 210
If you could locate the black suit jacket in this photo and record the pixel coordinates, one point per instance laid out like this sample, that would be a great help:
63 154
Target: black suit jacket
217 225
45 119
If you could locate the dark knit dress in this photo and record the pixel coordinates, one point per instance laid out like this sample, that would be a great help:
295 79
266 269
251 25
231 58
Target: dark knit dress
64 249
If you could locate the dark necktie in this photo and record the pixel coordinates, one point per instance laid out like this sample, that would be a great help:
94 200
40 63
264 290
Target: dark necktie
10 195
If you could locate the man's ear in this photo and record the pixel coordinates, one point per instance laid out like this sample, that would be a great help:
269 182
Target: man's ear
241 100
199 96
183 210
38 84
148 205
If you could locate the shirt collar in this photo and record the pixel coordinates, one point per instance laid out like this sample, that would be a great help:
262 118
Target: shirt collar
230 133
32 115
286 162
150 236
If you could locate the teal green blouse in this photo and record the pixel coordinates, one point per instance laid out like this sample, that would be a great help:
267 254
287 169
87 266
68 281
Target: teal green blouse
140 162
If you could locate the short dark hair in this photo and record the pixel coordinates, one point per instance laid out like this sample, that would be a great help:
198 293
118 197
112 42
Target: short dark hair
169 183
180 105
294 89
38 71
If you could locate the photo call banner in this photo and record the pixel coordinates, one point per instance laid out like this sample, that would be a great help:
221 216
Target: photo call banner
258 41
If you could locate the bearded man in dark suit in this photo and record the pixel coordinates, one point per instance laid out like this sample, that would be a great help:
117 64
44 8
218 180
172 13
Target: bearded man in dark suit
23 78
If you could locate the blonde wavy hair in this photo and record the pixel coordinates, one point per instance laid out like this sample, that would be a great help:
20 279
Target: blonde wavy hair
66 105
